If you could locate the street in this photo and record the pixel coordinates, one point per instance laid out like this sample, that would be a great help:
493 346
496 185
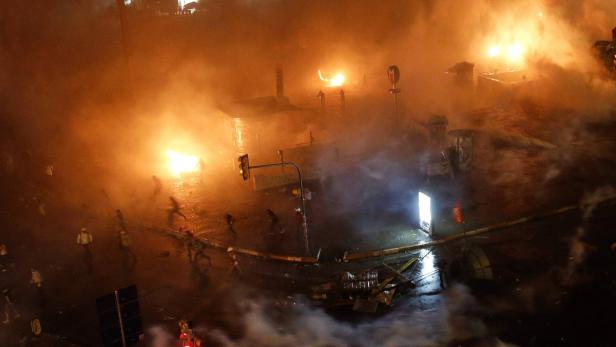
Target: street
307 173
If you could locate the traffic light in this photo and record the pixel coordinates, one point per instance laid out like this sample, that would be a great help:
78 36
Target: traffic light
244 166
393 74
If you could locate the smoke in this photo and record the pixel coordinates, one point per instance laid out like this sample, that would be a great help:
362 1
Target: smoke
104 121
159 337
590 201
580 248
184 70
456 318
73 101
70 98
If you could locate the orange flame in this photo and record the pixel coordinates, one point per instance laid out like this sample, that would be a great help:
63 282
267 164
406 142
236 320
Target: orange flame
180 163
336 80
513 53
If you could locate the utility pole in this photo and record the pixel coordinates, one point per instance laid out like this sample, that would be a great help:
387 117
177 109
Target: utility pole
279 82
125 41
122 12
393 74
280 153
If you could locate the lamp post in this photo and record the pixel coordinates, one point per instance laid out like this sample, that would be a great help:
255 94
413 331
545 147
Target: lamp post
393 74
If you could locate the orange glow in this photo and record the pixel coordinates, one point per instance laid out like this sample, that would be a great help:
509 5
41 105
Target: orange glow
524 33
180 163
494 51
514 53
336 80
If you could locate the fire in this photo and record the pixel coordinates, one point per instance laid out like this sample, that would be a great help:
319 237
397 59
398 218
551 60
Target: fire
336 80
514 53
523 33
180 163
494 51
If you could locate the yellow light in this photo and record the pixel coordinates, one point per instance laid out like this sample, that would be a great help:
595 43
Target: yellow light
336 81
182 163
515 51
494 51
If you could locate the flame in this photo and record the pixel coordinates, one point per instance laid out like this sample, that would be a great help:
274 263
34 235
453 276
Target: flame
494 51
336 80
180 163
526 32
514 52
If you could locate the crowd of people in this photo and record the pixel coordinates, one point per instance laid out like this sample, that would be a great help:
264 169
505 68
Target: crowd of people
86 243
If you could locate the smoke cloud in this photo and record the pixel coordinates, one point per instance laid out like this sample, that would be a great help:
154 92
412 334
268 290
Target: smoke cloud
160 337
454 319
579 245
70 87
69 97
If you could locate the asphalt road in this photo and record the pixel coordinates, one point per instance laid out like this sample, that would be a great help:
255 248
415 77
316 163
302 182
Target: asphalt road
551 284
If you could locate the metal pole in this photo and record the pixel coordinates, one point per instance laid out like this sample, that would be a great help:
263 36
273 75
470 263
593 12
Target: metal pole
126 44
122 11
279 82
393 74
472 233
396 92
304 216
117 300
301 194
281 157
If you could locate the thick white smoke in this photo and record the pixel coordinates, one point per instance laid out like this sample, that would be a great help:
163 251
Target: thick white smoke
454 318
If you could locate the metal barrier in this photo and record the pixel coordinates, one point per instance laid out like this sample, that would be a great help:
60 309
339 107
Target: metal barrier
360 256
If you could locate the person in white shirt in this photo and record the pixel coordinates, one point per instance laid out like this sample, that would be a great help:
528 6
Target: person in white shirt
84 239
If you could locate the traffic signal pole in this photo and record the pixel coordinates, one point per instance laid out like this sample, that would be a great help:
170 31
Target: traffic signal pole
301 194
393 74
396 92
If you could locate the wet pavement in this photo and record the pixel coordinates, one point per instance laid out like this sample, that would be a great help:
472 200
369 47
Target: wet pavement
547 278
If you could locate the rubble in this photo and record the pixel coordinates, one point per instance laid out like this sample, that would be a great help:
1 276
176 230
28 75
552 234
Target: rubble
363 290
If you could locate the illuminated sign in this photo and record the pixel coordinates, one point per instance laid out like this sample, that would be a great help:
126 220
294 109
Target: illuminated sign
425 212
